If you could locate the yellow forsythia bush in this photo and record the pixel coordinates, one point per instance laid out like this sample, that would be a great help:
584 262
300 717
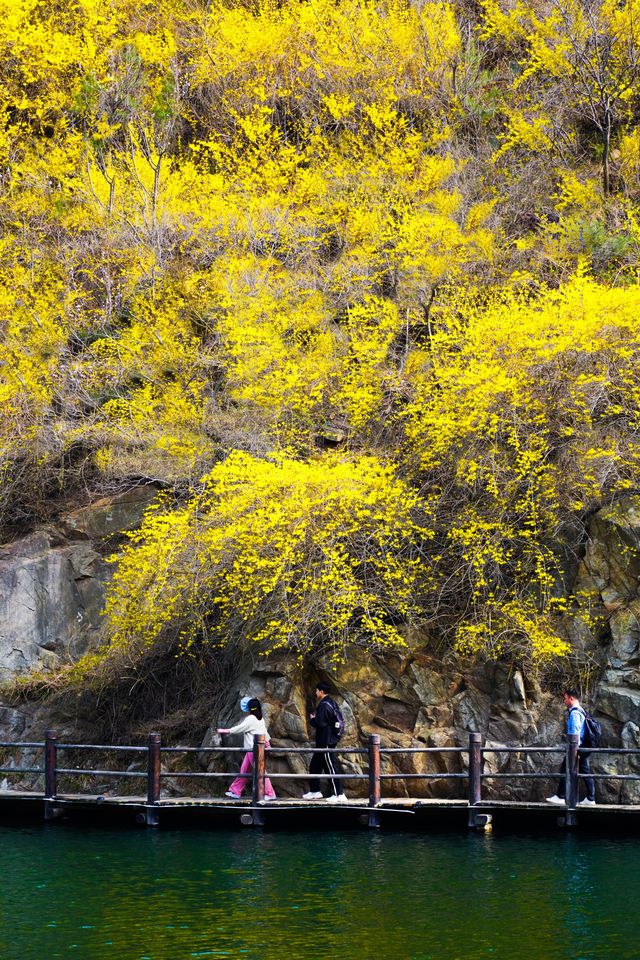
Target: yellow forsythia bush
354 283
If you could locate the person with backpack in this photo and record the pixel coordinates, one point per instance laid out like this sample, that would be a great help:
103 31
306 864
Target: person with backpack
249 727
588 729
329 726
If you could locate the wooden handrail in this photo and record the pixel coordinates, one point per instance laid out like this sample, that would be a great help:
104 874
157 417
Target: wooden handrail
375 752
375 777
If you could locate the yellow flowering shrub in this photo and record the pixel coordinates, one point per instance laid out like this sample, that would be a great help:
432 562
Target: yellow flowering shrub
525 416
355 282
308 556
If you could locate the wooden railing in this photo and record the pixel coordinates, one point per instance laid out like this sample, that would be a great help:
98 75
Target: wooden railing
474 774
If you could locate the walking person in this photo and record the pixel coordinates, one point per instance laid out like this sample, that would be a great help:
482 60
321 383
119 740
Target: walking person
328 724
252 724
576 724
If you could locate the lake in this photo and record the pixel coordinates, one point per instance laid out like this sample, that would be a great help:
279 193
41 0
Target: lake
168 895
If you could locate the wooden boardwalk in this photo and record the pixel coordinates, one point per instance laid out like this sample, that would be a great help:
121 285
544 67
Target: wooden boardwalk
156 766
412 813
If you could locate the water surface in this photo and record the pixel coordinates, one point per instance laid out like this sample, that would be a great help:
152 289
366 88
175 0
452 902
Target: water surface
159 895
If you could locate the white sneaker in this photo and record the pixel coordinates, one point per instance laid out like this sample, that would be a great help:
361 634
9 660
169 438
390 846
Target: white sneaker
556 799
587 803
340 798
267 799
234 796
312 796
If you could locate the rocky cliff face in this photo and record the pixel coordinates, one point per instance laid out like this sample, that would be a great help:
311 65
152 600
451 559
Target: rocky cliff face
52 589
424 700
52 584
610 576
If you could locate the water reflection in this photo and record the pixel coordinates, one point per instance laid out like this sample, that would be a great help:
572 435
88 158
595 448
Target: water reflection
167 896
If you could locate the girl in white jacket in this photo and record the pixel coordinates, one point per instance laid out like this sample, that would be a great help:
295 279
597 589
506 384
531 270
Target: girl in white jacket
249 727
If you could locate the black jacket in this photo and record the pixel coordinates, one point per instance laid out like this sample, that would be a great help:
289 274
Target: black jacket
325 724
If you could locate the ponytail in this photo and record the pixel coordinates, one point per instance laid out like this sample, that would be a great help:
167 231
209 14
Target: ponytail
255 708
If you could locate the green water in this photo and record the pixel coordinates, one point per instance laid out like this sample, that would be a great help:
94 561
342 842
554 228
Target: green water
133 895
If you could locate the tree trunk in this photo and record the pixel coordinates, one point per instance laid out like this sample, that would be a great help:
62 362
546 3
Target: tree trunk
606 153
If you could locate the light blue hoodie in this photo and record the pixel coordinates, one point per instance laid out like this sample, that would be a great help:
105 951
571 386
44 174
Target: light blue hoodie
575 721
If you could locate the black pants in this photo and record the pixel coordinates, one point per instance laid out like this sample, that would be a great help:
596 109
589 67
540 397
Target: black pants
583 767
325 762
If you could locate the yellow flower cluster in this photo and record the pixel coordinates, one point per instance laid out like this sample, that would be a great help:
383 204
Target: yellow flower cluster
355 280
309 556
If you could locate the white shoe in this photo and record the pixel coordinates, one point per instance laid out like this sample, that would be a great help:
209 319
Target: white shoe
234 796
312 796
557 800
587 803
340 798
267 799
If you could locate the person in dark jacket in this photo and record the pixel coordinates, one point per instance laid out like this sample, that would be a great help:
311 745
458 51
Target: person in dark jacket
324 762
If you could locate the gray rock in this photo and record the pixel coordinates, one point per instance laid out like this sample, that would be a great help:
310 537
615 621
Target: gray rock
630 736
625 635
620 703
612 557
629 791
279 688
293 723
471 710
53 583
50 603
620 678
109 515
427 683
12 723
518 694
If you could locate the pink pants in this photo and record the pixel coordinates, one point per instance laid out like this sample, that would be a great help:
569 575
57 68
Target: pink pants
240 783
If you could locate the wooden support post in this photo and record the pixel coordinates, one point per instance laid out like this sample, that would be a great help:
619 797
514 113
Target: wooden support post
374 779
152 814
475 776
259 774
571 778
50 774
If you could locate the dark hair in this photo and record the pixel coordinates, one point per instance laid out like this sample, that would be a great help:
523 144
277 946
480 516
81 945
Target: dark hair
572 692
255 708
324 686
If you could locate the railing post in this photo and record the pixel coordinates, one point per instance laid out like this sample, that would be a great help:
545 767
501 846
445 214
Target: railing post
152 816
375 792
571 777
259 774
475 776
50 773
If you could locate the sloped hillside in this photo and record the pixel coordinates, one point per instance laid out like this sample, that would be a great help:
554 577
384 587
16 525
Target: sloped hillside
354 284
